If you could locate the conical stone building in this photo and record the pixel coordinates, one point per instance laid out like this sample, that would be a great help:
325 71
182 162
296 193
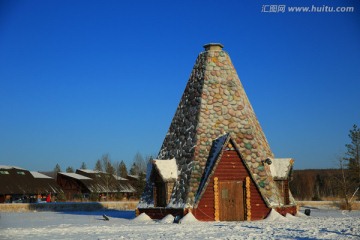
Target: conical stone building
214 105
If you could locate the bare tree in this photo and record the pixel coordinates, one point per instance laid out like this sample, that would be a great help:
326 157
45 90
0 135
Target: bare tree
139 164
104 164
343 184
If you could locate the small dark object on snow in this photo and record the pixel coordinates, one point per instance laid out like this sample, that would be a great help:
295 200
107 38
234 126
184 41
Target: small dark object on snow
177 219
307 212
106 218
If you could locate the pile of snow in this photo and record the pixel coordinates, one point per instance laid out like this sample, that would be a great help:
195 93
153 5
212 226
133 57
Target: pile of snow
274 216
300 214
142 218
168 219
189 218
290 217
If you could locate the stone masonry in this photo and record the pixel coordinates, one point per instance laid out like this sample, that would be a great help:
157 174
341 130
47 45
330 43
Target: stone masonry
214 103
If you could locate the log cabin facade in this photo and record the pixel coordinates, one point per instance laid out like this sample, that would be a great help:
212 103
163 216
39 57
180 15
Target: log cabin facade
228 191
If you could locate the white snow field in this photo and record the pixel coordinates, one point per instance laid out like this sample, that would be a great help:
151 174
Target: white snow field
321 224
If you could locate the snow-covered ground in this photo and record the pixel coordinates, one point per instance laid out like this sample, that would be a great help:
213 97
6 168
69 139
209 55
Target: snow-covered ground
321 224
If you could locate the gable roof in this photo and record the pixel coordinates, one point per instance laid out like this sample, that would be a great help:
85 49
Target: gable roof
214 154
219 145
15 180
10 167
167 169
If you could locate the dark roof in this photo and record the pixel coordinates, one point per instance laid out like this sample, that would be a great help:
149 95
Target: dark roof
15 180
100 182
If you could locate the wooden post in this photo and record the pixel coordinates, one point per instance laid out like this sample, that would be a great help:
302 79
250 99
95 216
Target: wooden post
248 197
216 199
155 196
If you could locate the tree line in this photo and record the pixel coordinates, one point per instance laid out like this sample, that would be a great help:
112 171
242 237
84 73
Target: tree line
118 168
342 182
315 184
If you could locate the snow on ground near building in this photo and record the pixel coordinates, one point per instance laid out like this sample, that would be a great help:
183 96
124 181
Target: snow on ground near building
322 224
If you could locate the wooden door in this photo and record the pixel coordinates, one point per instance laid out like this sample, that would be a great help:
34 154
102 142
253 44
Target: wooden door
231 201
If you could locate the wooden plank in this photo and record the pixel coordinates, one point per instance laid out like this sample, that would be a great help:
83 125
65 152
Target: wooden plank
231 168
231 201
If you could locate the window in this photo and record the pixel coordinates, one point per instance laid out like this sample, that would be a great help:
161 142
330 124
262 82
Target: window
20 173
4 172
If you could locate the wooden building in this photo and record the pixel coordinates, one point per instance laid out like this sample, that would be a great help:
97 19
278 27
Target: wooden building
226 170
75 186
20 185
86 184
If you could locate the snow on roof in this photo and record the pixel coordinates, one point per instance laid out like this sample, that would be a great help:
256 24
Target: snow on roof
133 176
88 171
280 167
75 175
120 178
39 175
10 167
167 168
215 150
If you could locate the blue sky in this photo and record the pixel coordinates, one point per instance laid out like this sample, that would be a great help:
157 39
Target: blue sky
82 78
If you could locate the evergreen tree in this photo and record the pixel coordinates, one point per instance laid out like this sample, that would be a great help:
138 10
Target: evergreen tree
98 166
352 157
353 151
69 170
57 169
122 169
140 184
134 170
83 166
109 168
106 164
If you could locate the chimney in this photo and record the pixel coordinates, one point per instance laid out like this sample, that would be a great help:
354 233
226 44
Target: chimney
213 47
